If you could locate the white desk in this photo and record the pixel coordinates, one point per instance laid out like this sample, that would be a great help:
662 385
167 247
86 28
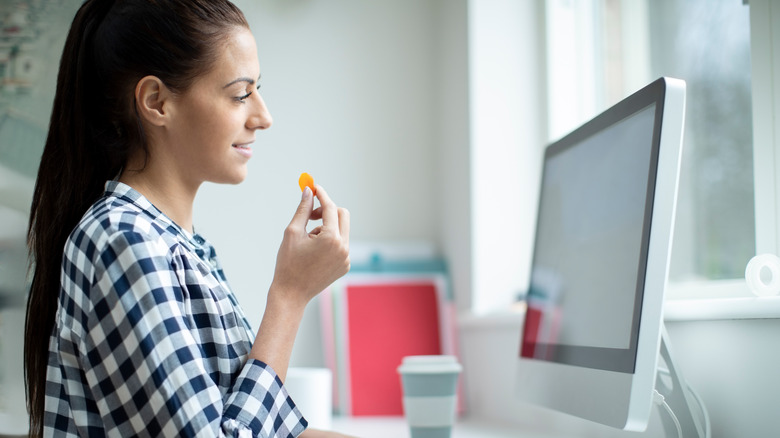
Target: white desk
396 427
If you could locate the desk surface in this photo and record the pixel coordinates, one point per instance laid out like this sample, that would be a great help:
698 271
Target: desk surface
396 427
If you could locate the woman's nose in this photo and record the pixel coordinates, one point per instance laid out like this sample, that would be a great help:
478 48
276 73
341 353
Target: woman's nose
260 117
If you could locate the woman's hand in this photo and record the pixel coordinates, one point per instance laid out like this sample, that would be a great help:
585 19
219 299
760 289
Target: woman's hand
309 261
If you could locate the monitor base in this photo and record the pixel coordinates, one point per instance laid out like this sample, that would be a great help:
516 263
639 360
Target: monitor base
686 414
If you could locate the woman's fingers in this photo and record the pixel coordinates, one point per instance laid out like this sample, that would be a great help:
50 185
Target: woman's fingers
329 210
308 262
343 220
343 215
333 217
304 211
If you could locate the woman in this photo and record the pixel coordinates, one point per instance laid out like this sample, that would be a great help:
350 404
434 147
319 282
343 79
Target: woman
133 330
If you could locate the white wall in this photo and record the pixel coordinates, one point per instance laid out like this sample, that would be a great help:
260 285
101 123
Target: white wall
453 152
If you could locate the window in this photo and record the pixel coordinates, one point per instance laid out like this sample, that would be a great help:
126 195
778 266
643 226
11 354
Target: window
600 51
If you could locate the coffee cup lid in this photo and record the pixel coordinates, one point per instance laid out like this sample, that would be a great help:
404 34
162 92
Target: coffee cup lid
430 364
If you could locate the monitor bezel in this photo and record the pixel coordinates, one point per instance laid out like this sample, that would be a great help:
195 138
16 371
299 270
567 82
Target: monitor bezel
606 385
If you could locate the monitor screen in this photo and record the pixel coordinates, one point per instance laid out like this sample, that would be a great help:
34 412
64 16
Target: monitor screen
591 242
600 261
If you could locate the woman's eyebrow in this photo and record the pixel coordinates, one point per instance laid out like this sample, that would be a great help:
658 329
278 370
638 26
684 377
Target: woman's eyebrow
249 81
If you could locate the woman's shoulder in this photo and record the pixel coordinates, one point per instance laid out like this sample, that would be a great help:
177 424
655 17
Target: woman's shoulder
112 218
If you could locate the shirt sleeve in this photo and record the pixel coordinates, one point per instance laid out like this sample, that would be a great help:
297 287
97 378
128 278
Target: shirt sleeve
146 370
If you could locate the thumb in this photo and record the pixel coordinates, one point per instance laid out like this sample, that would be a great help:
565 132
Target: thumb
303 213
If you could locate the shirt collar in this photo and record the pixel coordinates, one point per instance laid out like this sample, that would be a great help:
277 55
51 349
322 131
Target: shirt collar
121 190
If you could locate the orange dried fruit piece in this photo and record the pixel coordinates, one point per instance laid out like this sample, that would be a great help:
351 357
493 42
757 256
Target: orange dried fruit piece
306 180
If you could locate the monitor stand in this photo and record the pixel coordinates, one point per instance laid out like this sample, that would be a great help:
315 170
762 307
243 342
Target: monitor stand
682 412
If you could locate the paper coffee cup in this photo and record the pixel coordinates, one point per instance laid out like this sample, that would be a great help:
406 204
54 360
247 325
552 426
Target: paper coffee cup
430 394
311 389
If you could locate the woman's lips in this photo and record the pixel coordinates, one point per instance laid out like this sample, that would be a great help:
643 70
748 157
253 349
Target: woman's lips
244 149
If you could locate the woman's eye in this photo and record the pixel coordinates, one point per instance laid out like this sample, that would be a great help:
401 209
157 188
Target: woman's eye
246 96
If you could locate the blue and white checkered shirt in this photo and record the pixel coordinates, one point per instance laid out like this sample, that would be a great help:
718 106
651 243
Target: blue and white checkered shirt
149 340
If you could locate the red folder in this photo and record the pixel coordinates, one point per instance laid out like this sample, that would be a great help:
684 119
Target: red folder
387 322
378 321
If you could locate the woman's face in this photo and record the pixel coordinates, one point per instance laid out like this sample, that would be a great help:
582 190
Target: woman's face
216 118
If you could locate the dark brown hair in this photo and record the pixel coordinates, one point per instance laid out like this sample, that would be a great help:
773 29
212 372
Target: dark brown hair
94 127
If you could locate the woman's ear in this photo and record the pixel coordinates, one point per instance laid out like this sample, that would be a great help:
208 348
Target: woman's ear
151 95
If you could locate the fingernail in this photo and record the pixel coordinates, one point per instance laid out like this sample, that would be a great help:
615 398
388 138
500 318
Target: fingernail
306 193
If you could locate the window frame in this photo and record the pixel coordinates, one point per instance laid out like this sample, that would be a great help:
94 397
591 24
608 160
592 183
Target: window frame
685 300
765 66
765 91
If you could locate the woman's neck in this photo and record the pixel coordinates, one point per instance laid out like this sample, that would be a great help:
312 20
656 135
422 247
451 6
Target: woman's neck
169 193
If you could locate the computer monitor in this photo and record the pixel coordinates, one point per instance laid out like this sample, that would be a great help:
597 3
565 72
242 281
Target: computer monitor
592 332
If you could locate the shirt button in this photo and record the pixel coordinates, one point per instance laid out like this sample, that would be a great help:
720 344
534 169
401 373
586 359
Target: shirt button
213 263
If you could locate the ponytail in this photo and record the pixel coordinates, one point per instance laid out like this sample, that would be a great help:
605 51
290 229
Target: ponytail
69 180
94 128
